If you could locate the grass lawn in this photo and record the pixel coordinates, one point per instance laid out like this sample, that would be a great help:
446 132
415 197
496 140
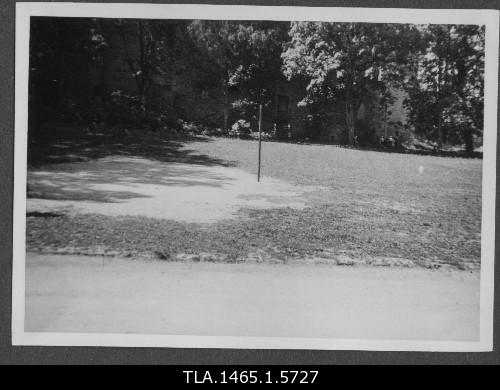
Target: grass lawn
369 206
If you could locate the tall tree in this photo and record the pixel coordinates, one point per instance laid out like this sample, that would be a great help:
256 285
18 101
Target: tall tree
242 51
347 62
447 87
257 78
147 48
62 50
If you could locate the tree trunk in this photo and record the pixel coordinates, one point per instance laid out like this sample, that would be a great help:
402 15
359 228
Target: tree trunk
440 129
143 69
469 144
349 119
139 73
385 120
225 108
439 106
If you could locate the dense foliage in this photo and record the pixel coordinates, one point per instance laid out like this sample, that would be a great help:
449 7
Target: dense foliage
350 62
235 66
446 84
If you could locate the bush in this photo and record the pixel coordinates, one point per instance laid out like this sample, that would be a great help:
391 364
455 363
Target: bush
241 129
124 109
189 127
192 128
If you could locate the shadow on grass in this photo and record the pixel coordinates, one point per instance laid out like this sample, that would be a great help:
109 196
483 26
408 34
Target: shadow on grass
37 214
115 179
84 147
104 169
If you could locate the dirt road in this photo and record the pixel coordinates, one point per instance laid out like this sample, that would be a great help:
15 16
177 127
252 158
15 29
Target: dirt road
85 294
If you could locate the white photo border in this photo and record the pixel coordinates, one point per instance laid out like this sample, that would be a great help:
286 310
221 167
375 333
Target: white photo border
488 18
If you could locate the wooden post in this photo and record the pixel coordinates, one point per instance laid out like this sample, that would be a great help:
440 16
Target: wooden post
260 141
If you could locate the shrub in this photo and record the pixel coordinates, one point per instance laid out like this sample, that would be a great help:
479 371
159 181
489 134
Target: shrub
193 128
124 109
241 129
188 127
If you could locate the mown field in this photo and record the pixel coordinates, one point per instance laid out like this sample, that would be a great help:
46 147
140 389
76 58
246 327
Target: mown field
369 206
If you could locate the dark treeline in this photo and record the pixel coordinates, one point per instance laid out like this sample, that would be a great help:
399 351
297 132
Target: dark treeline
212 75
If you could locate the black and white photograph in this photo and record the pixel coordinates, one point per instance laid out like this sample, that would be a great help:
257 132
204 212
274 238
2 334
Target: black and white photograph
254 177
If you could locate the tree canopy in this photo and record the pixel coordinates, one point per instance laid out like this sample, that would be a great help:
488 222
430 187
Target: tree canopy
350 62
439 67
446 88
